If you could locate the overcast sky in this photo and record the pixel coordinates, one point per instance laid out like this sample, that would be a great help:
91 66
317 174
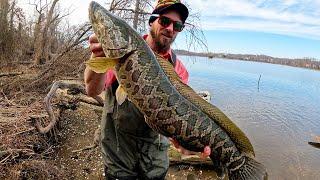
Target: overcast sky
287 28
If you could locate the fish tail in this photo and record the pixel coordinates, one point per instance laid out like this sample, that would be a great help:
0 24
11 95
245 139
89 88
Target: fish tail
249 170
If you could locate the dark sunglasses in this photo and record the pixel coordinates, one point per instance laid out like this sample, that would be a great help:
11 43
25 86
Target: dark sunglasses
165 22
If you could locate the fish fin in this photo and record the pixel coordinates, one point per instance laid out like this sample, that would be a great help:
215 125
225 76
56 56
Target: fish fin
101 64
235 133
250 170
121 95
218 168
314 144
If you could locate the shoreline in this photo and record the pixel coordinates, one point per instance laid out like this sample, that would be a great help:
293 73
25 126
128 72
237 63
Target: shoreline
308 63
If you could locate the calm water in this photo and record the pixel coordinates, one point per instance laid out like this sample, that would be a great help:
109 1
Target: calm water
279 119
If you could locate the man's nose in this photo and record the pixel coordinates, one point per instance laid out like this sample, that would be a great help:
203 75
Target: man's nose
170 27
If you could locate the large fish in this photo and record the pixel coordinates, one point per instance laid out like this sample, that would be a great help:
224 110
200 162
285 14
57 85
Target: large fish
170 107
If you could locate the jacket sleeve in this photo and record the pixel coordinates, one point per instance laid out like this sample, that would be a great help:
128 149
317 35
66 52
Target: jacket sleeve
182 72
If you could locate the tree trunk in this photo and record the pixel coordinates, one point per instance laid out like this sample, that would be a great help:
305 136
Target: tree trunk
136 15
12 15
4 10
41 45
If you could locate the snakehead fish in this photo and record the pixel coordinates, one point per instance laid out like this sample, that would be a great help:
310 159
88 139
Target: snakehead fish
170 107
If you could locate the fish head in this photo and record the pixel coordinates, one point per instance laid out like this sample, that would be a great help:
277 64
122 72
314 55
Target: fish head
114 34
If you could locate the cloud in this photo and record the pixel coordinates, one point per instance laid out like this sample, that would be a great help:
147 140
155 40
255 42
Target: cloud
292 17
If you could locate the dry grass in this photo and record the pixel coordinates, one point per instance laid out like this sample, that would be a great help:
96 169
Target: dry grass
25 153
35 169
22 147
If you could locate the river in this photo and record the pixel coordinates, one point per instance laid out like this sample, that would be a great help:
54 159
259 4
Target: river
279 117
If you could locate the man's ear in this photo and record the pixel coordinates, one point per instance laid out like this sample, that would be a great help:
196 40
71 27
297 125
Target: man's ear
152 19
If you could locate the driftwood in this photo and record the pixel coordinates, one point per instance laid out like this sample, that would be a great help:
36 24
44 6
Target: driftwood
315 144
75 88
10 74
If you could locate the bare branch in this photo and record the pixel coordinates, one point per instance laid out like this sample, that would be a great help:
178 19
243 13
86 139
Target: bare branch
132 10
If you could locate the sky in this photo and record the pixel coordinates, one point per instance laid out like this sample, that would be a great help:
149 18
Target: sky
280 28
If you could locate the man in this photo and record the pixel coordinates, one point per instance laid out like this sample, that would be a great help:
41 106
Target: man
131 150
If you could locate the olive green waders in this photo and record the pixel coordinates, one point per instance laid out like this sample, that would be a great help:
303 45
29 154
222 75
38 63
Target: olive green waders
130 149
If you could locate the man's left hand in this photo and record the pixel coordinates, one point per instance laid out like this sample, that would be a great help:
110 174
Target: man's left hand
206 151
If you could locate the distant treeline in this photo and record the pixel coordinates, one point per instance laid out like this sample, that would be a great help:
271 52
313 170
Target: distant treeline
310 63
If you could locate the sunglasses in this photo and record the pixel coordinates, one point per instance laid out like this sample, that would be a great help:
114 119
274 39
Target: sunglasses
165 22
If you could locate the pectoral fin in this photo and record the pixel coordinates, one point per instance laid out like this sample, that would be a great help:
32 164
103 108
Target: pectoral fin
121 95
101 64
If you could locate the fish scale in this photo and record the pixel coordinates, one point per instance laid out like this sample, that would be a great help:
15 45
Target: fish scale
171 107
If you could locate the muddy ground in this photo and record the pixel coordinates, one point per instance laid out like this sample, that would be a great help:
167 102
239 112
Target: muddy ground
60 154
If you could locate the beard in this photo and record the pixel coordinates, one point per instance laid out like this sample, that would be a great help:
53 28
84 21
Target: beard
162 44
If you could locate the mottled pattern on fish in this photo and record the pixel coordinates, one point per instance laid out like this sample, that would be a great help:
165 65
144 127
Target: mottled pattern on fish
170 107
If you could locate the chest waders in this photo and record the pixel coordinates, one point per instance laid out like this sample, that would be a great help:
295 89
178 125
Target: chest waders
130 149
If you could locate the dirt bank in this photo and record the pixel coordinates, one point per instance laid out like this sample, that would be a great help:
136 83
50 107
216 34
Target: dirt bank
62 153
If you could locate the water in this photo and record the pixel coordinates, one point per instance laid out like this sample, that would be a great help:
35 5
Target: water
279 118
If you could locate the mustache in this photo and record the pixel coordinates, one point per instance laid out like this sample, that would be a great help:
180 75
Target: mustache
167 33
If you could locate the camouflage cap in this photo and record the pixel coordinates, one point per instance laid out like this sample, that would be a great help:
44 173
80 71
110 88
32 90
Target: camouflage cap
165 5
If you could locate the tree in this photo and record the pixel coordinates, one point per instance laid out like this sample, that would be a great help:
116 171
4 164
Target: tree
138 12
42 31
4 11
11 31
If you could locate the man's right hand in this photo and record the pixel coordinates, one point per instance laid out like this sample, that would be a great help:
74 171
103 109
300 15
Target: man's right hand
94 82
95 46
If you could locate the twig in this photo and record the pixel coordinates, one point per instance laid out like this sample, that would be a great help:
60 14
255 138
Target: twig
10 74
28 130
5 158
16 151
131 10
47 151
85 148
6 98
89 154
11 151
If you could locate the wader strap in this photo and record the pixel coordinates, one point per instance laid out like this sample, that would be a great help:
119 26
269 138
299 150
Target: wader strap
173 58
109 109
109 101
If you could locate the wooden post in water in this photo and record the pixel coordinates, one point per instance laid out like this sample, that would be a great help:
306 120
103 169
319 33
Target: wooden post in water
259 82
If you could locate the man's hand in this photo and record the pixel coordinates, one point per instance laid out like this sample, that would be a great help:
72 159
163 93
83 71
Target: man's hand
95 46
94 82
206 151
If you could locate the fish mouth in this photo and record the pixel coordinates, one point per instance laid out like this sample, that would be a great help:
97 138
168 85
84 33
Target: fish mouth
107 27
93 7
